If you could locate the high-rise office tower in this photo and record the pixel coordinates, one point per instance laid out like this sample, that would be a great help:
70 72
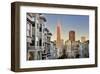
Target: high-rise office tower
83 39
72 35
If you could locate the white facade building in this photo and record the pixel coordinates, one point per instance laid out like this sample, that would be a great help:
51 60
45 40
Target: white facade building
40 41
84 49
72 49
53 51
37 39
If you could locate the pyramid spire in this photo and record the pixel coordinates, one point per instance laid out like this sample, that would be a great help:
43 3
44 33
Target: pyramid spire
58 43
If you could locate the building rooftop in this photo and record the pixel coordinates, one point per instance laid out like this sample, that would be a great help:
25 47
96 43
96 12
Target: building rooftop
49 33
30 21
46 29
42 17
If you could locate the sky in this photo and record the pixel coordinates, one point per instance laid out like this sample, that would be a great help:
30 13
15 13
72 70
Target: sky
78 23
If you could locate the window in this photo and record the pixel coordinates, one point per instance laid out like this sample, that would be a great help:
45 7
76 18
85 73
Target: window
29 29
28 45
33 43
37 43
33 24
40 42
37 25
33 37
33 18
40 29
39 55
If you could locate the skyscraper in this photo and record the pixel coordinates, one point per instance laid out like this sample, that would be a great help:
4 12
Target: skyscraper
72 35
58 42
83 39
